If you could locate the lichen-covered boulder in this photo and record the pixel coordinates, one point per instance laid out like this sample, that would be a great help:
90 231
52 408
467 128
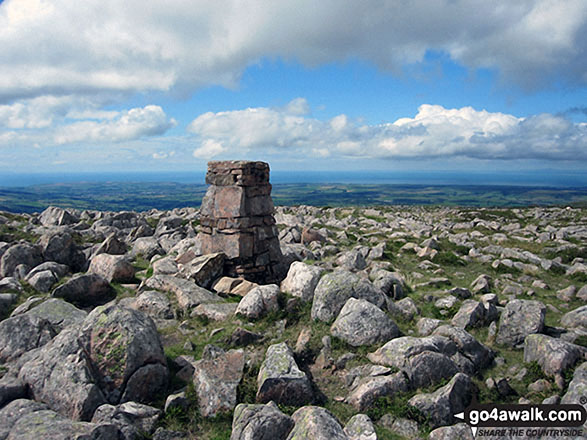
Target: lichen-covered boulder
22 333
59 313
441 405
577 389
314 422
520 319
369 389
54 216
461 431
216 378
553 355
335 288
204 270
259 301
362 323
360 427
187 292
301 280
21 253
260 422
281 380
61 248
126 354
575 318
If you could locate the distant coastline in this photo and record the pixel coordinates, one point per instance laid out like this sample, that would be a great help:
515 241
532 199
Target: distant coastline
548 178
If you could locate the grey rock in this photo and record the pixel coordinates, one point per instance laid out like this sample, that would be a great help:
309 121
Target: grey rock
301 280
461 431
59 313
59 270
7 300
314 422
398 351
441 405
460 292
204 270
405 308
369 389
471 314
154 304
10 285
113 268
85 290
333 291
23 333
360 427
260 422
426 326
553 355
519 319
53 426
177 401
215 311
362 323
351 260
111 245
577 388
13 411
406 428
58 375
391 284
61 248
167 434
165 266
134 420
216 381
478 355
281 380
11 389
21 253
54 216
429 367
187 293
42 281
147 247
575 318
482 284
259 301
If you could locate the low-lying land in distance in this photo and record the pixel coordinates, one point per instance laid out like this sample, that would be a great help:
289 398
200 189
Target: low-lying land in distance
142 196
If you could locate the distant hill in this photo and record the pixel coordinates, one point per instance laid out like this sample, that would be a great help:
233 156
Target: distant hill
143 196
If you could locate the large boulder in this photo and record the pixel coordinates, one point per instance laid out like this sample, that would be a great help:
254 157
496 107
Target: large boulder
553 355
259 301
335 288
113 268
460 430
61 248
115 356
314 422
520 319
86 290
441 405
577 389
216 379
370 388
204 270
575 318
362 323
472 355
390 283
187 293
360 427
21 253
153 303
301 280
262 422
22 333
54 216
59 313
13 411
133 420
281 380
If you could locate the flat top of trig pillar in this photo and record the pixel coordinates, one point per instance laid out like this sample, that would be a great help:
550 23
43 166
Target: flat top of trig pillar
225 165
237 172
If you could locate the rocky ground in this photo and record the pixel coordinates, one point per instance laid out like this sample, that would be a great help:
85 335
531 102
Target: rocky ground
389 322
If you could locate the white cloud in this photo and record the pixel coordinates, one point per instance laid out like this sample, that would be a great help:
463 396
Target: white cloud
209 149
59 47
434 132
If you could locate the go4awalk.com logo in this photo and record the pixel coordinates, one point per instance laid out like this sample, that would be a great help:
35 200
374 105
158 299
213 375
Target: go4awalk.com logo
529 420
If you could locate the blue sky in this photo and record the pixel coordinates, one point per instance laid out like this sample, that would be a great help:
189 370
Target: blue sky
330 85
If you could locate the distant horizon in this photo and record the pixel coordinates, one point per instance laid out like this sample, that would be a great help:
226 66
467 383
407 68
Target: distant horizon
537 178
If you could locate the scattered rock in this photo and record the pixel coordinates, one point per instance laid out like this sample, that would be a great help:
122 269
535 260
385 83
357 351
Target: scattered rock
553 355
113 268
281 380
314 422
519 319
362 323
86 290
301 280
260 422
259 301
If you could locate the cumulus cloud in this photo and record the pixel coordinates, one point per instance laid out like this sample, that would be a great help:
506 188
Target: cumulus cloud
59 47
57 121
434 132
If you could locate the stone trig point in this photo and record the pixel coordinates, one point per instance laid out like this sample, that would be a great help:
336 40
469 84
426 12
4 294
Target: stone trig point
236 218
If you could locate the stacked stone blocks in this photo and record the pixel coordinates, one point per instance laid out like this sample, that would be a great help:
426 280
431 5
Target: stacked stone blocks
236 218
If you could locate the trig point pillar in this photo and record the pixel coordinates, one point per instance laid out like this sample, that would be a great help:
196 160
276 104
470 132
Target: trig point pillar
236 218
